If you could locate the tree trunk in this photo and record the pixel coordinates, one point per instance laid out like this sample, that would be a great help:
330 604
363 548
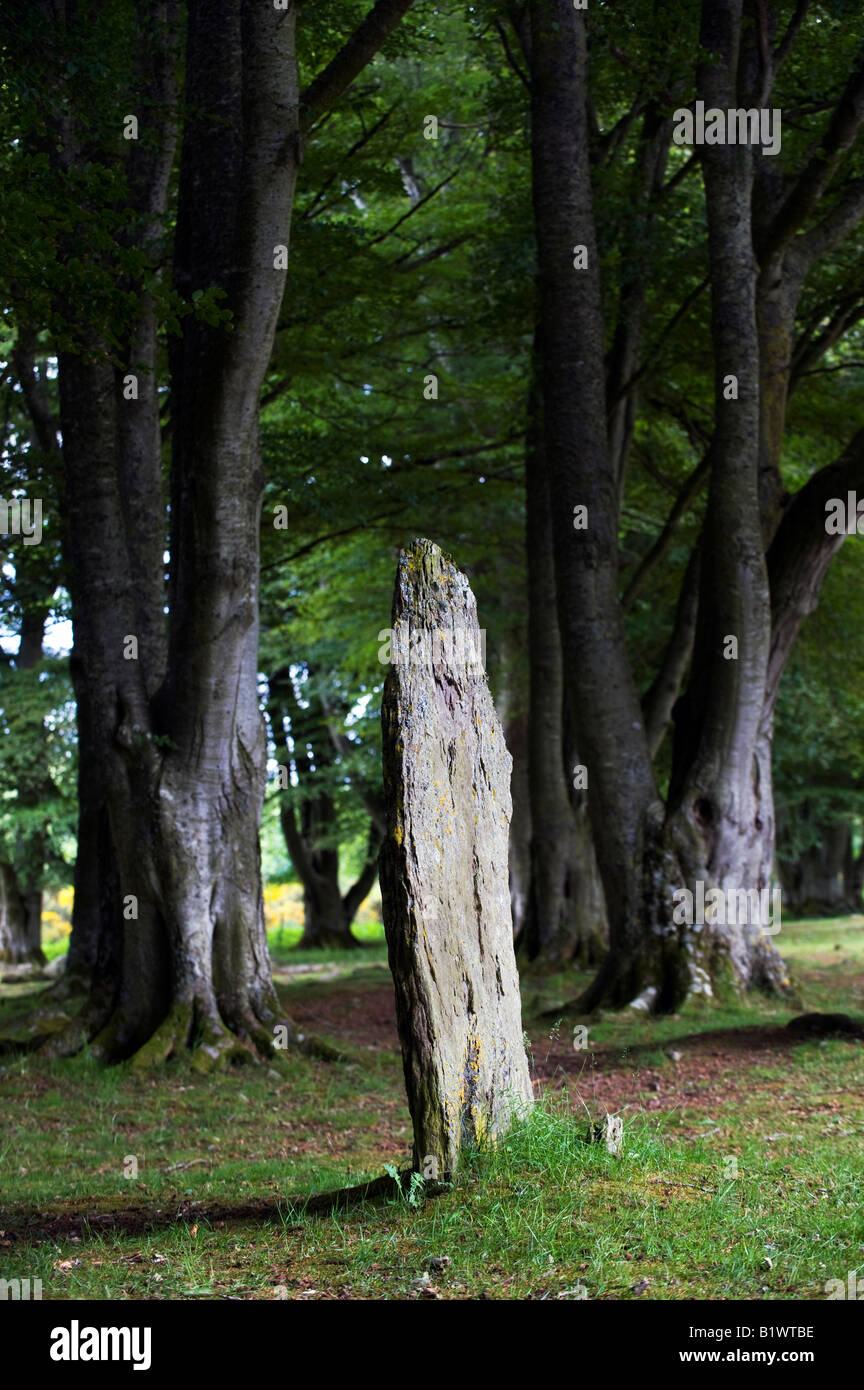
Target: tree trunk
182 763
711 832
310 829
565 917
626 350
327 914
516 732
20 920
174 906
624 806
325 923
91 969
821 880
720 797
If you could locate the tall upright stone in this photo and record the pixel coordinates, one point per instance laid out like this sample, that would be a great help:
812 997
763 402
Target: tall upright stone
444 880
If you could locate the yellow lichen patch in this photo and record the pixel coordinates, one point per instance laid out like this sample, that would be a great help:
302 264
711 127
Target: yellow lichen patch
480 1125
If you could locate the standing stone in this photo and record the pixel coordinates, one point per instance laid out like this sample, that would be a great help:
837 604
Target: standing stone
444 881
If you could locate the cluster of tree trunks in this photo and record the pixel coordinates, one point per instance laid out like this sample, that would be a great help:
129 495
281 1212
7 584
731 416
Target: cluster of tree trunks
761 558
826 878
308 813
168 944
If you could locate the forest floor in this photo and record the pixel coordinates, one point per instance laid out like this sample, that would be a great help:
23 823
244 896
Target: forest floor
741 1173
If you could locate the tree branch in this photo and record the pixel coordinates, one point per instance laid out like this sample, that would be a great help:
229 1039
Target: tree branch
801 552
834 227
663 542
310 212
811 348
659 699
814 178
352 58
783 49
510 55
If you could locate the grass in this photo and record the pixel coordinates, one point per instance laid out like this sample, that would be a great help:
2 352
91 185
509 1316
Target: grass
741 1173
284 949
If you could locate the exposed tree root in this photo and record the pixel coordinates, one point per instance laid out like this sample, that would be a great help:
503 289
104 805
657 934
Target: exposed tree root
58 1031
36 1028
312 1045
135 1220
34 959
67 1042
661 980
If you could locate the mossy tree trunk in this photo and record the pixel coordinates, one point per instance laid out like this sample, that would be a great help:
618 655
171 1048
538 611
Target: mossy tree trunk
175 943
710 829
762 555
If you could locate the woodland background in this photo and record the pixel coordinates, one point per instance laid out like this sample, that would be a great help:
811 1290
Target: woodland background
427 362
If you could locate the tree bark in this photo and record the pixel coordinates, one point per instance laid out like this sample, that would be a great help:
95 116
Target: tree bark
309 819
823 879
20 920
328 913
565 917
625 354
175 922
624 806
710 830
721 786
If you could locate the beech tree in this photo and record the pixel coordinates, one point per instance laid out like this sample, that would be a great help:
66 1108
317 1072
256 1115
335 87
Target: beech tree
171 930
819 771
37 756
313 771
413 258
825 878
716 824
565 915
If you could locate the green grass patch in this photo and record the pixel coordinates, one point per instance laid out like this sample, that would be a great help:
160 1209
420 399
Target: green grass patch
741 1173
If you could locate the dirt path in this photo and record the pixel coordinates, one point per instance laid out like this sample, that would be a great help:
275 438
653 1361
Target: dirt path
702 1068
